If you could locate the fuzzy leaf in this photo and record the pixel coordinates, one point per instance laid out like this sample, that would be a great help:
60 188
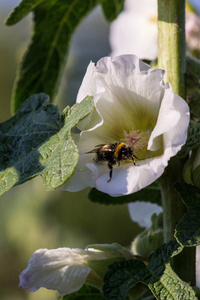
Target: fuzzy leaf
188 230
112 8
193 139
55 22
171 287
151 194
85 293
37 141
121 277
157 275
161 256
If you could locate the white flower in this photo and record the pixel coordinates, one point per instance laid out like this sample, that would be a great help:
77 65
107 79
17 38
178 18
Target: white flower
67 269
131 100
63 269
135 30
141 212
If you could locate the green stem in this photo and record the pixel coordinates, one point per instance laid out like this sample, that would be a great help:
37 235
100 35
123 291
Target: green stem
171 43
172 58
173 211
173 207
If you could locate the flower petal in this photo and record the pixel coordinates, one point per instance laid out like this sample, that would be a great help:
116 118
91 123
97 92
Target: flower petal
62 269
141 212
173 113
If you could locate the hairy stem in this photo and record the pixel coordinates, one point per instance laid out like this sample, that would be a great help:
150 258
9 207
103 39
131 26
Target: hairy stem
171 43
172 58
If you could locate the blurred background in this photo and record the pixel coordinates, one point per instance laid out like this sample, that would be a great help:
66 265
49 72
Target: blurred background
32 218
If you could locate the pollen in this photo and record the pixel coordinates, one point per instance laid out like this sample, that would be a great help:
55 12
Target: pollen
136 139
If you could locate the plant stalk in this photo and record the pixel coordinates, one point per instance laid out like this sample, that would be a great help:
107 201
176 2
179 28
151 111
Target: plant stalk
173 210
171 43
172 58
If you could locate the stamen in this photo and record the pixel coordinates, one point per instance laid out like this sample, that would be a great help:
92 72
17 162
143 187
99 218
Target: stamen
136 139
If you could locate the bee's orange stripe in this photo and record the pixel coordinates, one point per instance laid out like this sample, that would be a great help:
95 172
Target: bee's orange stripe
118 148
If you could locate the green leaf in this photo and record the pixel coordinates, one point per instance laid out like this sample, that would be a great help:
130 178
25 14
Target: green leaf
121 277
42 65
112 8
85 293
151 194
22 10
197 291
157 275
161 256
171 287
196 175
188 230
37 140
193 139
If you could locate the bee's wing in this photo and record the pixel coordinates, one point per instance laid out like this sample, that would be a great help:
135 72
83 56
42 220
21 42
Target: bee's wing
96 149
92 151
100 145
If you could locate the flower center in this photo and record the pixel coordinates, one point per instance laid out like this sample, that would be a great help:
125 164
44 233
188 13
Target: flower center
138 141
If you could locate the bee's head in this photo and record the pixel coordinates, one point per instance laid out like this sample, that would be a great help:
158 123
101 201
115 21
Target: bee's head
126 152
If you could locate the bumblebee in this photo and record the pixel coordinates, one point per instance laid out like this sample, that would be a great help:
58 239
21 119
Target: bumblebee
113 153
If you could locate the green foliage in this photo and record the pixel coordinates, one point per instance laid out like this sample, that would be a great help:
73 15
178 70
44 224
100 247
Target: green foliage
37 140
188 230
151 194
171 287
196 174
197 291
121 277
193 139
157 275
193 69
22 10
55 22
112 8
85 293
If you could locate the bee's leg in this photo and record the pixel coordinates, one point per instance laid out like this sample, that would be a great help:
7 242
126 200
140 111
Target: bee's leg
96 160
133 159
111 170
